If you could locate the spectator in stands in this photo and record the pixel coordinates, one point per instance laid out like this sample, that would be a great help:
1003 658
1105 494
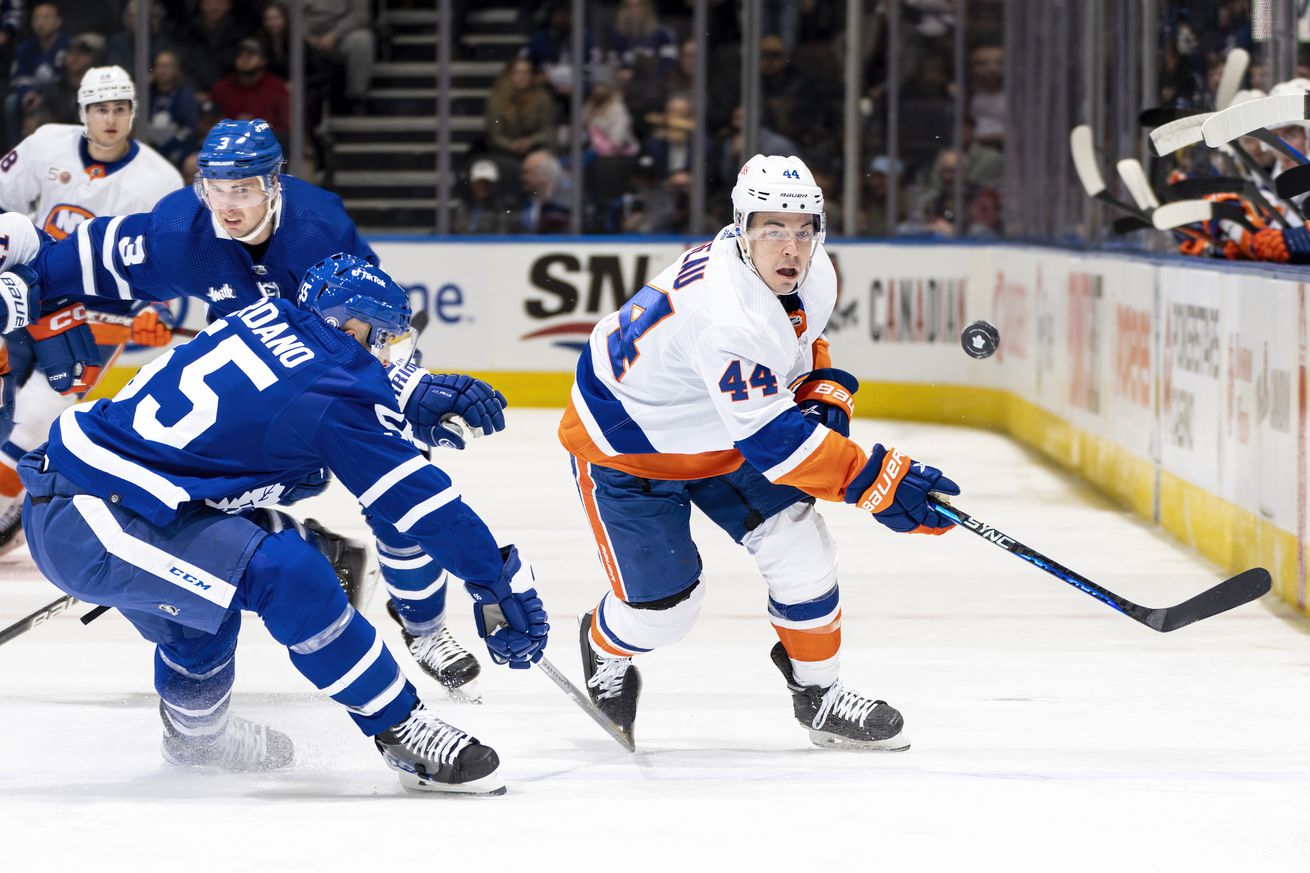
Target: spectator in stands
609 124
549 49
11 23
251 91
487 211
172 116
121 50
208 45
682 80
650 208
670 141
520 112
274 32
874 220
987 103
59 96
730 145
545 206
38 61
645 52
339 31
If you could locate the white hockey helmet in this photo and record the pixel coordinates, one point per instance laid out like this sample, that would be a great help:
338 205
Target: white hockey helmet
103 84
1296 87
772 183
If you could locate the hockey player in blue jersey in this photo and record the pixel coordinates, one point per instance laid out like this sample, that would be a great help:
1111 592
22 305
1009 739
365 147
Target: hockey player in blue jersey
121 510
247 233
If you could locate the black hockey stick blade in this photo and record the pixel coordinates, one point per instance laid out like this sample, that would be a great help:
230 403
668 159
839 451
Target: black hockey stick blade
1129 224
1231 593
1293 182
1243 588
1206 186
1155 116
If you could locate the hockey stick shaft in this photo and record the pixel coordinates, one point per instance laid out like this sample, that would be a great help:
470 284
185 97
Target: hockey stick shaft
41 616
1235 591
584 703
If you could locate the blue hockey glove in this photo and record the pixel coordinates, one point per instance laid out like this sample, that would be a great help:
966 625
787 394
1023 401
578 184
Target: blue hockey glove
827 396
510 616
309 485
429 403
66 349
20 292
895 489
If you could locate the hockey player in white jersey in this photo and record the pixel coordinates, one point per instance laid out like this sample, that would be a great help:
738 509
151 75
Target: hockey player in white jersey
60 176
713 387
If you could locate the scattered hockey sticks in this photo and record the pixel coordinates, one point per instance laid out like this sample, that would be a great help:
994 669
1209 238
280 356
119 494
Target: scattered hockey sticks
125 321
622 737
1172 216
1178 134
1159 116
1089 171
1255 117
1293 182
1229 594
1129 224
1135 182
1230 80
1205 186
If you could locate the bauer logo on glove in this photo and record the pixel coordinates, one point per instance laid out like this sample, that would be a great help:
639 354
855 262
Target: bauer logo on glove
894 488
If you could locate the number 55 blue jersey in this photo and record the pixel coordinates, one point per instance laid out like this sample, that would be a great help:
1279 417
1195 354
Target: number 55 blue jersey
259 399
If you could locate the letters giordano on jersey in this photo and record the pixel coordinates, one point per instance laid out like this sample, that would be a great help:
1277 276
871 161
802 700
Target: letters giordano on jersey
263 320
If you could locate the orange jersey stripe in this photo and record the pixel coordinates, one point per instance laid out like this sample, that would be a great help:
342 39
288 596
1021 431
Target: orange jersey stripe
10 484
813 644
828 469
603 644
574 437
587 487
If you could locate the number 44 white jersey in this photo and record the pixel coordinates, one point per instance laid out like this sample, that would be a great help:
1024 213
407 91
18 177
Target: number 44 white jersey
52 177
697 371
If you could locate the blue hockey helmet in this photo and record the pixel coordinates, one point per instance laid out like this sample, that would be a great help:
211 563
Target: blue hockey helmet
343 287
239 150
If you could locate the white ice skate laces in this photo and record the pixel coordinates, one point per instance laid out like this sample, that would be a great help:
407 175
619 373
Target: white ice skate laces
429 737
844 703
608 678
438 650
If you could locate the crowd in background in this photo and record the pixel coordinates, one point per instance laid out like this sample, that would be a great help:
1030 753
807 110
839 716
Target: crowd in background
231 58
639 118
210 59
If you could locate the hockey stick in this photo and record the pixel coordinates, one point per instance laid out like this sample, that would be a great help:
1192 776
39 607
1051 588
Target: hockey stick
44 614
1293 182
622 737
1135 182
1230 80
1172 216
1254 117
125 321
1229 594
1129 224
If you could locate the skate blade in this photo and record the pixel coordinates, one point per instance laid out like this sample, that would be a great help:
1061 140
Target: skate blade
468 693
490 785
898 743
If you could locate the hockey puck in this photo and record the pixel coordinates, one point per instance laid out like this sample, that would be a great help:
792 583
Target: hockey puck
980 340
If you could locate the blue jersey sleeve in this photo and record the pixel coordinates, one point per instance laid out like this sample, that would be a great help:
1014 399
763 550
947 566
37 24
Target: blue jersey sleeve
364 449
108 258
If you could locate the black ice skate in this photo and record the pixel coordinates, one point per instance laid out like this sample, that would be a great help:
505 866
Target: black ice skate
352 562
612 682
442 657
243 747
431 755
838 716
11 526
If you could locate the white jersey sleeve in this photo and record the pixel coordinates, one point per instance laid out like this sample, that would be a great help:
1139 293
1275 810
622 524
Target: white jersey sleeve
20 173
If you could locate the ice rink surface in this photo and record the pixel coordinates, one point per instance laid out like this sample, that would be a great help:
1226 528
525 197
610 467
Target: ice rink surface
1049 732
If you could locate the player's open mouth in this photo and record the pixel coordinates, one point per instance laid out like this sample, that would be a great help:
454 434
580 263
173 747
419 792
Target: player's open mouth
787 272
